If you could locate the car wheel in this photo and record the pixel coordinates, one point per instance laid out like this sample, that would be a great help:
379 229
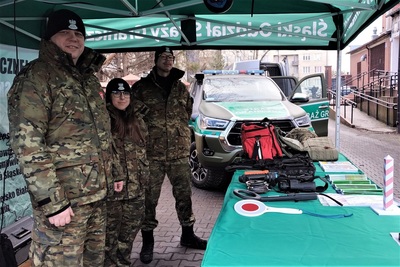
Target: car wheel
206 178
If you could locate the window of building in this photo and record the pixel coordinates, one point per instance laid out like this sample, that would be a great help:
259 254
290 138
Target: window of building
317 69
317 57
306 69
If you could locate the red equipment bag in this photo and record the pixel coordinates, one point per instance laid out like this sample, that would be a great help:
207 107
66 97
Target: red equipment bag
259 141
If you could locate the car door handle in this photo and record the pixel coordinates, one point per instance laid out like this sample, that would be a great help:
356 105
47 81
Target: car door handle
323 107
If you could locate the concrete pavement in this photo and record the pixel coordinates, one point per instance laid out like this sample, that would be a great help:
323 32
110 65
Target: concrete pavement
354 118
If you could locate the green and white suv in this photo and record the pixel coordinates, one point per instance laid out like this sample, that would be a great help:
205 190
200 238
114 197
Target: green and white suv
223 100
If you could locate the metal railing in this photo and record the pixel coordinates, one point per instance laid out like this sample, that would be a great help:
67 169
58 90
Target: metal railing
376 82
388 106
344 102
370 87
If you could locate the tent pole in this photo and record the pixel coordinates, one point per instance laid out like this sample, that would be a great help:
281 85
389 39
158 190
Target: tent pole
398 91
338 92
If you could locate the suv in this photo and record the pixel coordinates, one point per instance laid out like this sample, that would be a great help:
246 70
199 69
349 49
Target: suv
226 99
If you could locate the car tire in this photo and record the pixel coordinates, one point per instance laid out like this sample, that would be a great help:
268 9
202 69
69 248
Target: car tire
206 178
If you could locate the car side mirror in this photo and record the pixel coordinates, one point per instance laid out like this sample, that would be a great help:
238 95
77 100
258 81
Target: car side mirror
300 97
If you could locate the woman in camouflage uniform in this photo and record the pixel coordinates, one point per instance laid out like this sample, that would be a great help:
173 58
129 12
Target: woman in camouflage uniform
125 209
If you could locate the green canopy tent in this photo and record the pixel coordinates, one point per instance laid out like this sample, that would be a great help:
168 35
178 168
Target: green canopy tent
135 25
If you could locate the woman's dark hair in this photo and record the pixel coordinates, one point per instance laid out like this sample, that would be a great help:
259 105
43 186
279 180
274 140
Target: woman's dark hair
124 123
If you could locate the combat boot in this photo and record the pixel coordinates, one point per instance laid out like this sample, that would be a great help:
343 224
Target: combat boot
146 254
190 240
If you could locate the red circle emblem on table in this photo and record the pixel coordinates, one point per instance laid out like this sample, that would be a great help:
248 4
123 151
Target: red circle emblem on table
250 207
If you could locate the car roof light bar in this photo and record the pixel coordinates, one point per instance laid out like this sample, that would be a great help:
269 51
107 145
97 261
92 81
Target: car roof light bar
232 72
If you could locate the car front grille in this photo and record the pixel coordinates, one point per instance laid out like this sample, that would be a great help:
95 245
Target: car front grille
234 137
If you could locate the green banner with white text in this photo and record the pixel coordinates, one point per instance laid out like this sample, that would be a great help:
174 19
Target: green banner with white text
14 198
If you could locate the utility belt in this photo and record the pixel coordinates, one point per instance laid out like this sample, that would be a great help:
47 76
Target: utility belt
283 174
265 180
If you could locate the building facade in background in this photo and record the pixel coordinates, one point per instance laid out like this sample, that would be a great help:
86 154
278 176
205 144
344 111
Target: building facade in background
381 53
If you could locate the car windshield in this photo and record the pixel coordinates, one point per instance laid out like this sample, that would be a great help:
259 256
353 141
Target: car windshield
243 88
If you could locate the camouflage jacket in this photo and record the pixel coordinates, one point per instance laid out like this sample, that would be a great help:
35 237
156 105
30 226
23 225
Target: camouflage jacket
60 130
134 163
168 117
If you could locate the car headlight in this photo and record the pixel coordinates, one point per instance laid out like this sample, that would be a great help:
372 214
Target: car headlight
303 121
212 123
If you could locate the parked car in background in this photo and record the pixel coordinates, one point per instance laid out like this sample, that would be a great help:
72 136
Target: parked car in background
223 100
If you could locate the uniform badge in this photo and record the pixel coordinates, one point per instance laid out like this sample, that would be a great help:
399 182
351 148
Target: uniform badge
72 24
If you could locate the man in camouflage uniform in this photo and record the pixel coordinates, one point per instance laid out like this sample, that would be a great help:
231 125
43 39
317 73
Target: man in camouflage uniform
170 107
60 132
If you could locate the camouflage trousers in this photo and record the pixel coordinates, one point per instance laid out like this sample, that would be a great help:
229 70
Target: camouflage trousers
178 173
124 219
79 243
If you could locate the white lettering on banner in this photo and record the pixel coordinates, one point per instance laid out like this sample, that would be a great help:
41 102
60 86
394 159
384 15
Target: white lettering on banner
122 36
154 32
353 19
262 32
211 29
218 30
354 15
164 32
116 36
317 29
252 34
198 29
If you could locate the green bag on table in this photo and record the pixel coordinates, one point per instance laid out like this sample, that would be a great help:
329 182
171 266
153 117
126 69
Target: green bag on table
304 140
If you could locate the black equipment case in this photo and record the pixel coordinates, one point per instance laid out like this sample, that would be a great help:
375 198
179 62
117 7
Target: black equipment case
20 235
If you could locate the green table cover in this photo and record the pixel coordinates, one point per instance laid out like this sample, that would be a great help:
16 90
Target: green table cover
276 239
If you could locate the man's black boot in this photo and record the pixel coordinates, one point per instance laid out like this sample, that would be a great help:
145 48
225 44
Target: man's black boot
190 240
146 254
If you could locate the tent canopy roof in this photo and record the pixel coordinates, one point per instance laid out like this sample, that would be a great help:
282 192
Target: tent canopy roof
139 25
